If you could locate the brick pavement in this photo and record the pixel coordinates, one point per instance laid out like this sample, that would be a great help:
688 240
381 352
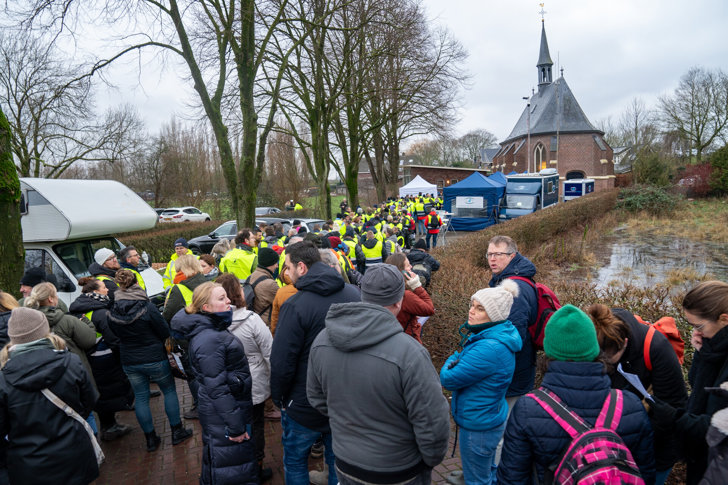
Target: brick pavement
128 463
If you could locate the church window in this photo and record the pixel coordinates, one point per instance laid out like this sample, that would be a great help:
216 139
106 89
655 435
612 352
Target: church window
538 157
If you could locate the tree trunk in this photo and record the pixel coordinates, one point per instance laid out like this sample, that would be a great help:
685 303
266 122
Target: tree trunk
11 236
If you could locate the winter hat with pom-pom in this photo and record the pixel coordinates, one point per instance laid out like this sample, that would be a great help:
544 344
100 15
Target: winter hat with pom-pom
497 301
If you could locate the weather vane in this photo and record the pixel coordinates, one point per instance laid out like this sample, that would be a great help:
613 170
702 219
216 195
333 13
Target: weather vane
542 12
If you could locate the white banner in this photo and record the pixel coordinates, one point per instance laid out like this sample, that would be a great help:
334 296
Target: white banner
469 202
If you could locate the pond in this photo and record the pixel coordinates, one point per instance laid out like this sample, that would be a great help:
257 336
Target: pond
645 259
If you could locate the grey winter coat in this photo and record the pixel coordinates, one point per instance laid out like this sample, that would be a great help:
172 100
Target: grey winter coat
379 389
257 341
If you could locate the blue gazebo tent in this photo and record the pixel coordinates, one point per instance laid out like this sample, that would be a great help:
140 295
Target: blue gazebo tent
473 201
498 177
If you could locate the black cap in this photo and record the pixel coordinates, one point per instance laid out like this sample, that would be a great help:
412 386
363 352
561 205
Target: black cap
33 277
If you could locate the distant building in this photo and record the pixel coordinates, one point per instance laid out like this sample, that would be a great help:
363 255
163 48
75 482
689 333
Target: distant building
561 135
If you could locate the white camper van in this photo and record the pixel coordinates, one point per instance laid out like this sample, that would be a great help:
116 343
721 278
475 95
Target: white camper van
65 222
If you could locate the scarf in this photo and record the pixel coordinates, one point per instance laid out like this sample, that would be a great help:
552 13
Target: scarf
17 349
98 297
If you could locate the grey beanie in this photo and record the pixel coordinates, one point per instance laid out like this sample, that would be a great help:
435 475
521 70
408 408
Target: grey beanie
102 255
27 325
497 301
382 284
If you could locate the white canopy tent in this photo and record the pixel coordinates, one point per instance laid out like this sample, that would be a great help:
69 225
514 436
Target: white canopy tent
418 185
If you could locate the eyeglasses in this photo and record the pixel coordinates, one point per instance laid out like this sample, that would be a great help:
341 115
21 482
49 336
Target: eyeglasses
698 328
496 255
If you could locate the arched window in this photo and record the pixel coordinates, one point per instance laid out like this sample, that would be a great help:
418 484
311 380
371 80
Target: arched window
575 174
538 157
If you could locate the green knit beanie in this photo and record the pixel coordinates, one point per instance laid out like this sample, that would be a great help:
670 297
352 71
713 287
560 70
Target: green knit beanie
570 335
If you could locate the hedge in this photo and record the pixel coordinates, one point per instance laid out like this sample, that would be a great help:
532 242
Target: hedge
159 241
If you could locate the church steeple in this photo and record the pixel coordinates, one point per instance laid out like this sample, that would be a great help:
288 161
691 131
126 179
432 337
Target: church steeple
544 60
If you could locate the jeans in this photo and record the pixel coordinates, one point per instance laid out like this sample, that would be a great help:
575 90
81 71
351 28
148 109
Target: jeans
511 402
139 377
297 442
423 478
661 476
434 240
420 226
477 453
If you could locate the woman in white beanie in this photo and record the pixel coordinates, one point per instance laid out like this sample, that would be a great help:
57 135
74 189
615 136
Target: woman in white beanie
44 444
479 377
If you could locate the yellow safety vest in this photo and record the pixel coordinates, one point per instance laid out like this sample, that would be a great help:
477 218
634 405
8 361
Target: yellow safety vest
239 262
373 255
184 291
170 272
352 247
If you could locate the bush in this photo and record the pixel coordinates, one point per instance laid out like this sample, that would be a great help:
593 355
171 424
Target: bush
719 177
159 241
695 180
648 198
650 168
546 237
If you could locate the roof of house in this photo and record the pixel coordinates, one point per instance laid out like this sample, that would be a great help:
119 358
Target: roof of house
553 108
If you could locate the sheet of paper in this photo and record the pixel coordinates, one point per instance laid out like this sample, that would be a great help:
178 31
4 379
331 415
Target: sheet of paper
635 381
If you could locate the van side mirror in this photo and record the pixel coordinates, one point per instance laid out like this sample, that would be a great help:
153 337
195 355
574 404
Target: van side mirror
145 257
23 204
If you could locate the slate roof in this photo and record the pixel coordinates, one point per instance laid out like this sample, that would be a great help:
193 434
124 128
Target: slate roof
543 56
552 107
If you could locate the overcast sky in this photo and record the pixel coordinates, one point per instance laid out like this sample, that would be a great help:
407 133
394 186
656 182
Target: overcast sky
611 52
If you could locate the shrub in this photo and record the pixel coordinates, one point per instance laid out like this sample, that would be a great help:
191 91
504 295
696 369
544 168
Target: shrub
650 168
648 198
695 180
719 177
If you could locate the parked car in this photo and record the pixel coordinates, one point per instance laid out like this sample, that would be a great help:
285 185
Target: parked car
310 223
183 214
228 230
264 211
159 210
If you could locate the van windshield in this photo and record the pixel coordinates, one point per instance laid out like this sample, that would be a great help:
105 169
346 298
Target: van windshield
520 201
78 255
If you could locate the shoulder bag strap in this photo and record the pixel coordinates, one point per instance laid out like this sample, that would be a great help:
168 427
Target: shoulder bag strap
568 420
71 413
648 343
611 412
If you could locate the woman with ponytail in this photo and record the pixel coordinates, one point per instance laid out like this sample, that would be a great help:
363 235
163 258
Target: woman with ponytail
225 402
142 331
622 341
479 377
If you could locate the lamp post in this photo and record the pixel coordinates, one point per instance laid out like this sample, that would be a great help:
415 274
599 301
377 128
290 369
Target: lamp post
528 128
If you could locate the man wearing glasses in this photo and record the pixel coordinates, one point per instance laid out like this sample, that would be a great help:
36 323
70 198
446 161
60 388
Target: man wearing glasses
505 261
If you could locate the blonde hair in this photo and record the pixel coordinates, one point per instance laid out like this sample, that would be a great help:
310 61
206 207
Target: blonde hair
40 294
201 296
7 301
188 264
58 344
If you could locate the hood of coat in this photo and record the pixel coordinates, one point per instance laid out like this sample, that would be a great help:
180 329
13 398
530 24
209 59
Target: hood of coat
321 279
53 314
370 243
505 333
37 369
240 318
355 326
86 303
96 269
126 312
194 281
519 266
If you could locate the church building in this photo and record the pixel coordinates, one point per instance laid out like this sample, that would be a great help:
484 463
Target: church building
553 132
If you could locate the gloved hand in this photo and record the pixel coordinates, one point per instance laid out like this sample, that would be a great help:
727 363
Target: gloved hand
663 414
413 281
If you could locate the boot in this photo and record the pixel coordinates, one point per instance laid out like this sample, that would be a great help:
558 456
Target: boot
153 441
264 474
179 434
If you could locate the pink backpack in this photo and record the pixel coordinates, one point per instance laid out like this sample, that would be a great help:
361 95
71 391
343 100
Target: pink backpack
595 455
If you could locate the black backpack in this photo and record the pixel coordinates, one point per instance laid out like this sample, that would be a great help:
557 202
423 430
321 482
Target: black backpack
249 294
433 221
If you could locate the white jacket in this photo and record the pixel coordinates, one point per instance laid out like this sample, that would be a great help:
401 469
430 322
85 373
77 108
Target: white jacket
257 341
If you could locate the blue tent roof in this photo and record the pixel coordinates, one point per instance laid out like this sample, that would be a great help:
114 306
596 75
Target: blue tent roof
476 185
476 180
498 177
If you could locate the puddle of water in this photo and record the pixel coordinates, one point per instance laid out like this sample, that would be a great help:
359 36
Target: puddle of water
645 260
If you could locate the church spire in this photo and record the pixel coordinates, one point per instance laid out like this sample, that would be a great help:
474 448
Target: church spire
544 60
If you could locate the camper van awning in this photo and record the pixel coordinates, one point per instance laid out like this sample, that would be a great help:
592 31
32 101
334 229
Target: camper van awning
61 209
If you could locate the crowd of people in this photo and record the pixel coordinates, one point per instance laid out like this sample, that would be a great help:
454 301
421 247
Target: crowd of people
322 330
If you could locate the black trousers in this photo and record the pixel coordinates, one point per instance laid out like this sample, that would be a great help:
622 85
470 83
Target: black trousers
259 430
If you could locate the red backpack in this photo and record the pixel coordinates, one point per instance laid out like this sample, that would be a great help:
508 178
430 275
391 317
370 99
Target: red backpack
667 327
548 303
595 455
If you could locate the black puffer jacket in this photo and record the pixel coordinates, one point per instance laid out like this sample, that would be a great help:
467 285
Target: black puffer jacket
224 400
114 388
665 379
533 436
523 312
97 270
139 326
4 339
301 319
45 444
709 369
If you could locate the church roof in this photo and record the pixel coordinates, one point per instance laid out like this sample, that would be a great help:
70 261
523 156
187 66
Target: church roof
544 58
553 108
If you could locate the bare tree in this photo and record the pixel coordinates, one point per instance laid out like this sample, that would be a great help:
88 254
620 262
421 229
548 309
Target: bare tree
287 173
473 142
698 109
637 126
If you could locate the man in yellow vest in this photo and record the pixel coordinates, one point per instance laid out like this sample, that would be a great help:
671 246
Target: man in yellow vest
180 247
242 260
433 227
104 268
370 252
130 260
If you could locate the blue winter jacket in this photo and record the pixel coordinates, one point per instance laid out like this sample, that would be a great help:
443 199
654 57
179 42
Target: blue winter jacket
224 399
533 436
480 375
523 312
